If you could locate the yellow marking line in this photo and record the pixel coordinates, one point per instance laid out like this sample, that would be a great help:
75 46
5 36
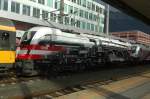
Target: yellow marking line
7 28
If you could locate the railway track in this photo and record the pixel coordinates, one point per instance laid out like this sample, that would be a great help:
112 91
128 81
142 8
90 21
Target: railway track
84 86
60 91
13 79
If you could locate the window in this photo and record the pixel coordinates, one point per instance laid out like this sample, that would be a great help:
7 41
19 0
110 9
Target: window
65 7
15 7
44 40
92 27
102 20
82 25
97 9
53 17
76 11
74 1
100 10
50 3
33 0
78 23
81 13
93 7
41 1
83 3
57 4
94 17
100 29
88 26
72 22
79 2
27 37
5 40
4 4
66 20
90 16
36 12
86 15
70 9
0 4
96 28
26 10
89 5
45 15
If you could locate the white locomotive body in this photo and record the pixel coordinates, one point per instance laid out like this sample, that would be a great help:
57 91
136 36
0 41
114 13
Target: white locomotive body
60 50
140 52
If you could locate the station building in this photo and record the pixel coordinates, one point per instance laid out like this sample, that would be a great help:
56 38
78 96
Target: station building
138 36
79 15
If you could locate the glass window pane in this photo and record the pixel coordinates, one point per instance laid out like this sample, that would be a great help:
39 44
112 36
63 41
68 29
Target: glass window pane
0 4
70 9
81 13
5 5
66 20
17 7
76 11
26 10
36 13
50 3
13 6
65 7
88 26
44 15
41 1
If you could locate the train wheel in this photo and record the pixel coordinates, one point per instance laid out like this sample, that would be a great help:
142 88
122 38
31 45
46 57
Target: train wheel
28 68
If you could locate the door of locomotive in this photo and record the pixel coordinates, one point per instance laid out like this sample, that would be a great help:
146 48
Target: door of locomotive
7 41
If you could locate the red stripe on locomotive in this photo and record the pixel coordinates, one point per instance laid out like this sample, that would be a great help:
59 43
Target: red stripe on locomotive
29 56
40 47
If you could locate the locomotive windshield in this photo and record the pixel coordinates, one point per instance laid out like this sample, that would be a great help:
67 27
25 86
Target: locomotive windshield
133 49
27 37
5 40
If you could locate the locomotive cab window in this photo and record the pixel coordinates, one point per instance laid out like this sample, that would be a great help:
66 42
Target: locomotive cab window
5 40
44 40
27 37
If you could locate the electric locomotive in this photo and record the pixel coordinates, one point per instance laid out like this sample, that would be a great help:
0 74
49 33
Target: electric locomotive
7 45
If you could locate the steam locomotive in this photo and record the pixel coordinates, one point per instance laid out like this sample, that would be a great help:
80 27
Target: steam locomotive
45 49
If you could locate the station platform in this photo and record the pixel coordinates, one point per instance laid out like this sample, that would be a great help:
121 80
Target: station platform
132 88
88 85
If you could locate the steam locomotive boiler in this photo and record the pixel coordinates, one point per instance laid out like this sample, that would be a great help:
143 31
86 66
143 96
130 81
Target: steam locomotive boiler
45 49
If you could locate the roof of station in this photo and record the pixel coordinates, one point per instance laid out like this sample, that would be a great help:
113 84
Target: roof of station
136 8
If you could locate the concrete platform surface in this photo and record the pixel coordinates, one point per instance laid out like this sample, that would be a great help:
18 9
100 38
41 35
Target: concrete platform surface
123 88
131 88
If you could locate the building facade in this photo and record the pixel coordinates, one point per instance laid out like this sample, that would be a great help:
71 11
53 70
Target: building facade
84 15
138 36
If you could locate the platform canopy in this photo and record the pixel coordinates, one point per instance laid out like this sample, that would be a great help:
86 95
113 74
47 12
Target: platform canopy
137 8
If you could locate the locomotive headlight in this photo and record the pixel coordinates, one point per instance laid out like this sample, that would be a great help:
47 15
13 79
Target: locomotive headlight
5 36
